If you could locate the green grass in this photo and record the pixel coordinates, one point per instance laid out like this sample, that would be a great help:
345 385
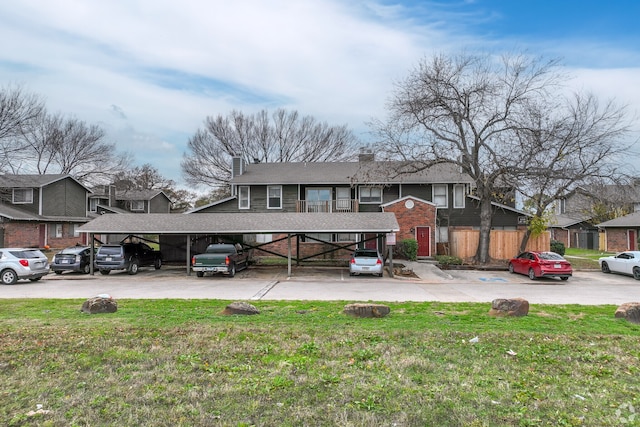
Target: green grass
181 363
582 259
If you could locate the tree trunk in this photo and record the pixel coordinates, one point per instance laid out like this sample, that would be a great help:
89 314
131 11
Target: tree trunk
482 254
524 241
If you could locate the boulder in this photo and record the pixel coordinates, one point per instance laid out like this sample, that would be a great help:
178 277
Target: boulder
629 311
240 307
99 304
509 307
366 310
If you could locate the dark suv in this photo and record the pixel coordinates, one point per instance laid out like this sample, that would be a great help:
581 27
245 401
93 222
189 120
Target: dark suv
127 256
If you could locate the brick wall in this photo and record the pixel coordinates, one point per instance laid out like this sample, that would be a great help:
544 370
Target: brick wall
420 215
306 249
617 240
18 235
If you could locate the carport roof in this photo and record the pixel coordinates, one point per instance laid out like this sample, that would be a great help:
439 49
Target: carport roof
243 223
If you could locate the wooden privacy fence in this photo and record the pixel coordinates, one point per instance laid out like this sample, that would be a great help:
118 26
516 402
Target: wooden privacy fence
503 244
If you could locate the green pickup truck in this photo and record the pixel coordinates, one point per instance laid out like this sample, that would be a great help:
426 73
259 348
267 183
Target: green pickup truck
220 258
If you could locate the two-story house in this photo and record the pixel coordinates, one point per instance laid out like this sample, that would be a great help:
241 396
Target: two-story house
106 199
42 210
427 203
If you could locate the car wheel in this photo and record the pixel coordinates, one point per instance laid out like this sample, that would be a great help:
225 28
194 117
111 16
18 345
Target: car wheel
105 272
200 273
57 271
532 274
157 264
86 269
8 277
605 267
510 268
636 273
564 277
232 270
133 268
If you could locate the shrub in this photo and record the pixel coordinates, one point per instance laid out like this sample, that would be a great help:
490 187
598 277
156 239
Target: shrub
448 260
408 249
557 247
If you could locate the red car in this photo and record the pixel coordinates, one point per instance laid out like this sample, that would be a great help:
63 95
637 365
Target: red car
541 264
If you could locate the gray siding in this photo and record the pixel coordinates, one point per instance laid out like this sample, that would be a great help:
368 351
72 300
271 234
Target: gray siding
64 198
159 204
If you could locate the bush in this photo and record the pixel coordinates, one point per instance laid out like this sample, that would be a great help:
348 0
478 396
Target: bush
557 247
408 249
448 260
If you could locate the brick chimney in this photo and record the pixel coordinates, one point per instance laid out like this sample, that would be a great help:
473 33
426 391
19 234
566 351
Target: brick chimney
366 155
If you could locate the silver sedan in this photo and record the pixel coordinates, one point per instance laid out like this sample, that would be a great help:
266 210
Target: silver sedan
20 263
366 261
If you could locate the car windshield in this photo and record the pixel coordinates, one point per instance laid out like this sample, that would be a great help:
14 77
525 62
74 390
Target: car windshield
365 254
27 254
66 251
551 256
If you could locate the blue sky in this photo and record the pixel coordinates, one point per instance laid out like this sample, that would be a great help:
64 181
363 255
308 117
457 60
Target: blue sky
151 71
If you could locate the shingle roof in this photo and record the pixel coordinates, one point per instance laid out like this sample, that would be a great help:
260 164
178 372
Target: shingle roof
16 214
33 180
243 223
567 220
346 173
631 220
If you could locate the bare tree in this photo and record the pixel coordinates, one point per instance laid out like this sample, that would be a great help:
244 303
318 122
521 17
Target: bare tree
578 143
18 110
282 137
474 112
55 144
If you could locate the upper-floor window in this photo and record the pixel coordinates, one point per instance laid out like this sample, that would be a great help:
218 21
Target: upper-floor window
243 197
561 206
440 197
370 194
93 205
274 197
458 196
137 205
22 195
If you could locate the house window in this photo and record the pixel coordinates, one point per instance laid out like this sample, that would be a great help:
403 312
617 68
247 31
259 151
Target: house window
243 197
74 230
440 195
347 237
93 205
325 237
137 205
458 196
343 199
370 195
22 195
55 230
318 200
274 197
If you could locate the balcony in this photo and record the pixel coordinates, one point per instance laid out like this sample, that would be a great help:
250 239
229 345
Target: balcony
327 206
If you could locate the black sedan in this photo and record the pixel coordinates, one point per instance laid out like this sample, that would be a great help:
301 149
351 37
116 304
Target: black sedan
74 258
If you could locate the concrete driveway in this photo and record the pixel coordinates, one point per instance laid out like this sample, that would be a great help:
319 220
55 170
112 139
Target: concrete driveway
308 283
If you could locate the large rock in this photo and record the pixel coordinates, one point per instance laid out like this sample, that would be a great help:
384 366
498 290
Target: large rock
509 307
240 307
366 310
629 311
99 304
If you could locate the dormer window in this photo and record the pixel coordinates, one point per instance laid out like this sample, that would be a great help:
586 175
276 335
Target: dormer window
22 195
137 205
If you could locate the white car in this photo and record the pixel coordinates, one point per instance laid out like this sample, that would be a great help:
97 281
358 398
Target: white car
366 261
20 263
625 263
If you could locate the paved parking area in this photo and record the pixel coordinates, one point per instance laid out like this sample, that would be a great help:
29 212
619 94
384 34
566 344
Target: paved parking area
309 283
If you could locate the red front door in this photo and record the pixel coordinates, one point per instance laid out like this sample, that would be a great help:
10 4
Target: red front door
423 236
633 239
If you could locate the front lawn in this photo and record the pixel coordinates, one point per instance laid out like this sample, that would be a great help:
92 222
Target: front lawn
182 363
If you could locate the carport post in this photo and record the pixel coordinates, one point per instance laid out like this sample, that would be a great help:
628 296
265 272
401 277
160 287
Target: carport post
188 254
92 255
289 255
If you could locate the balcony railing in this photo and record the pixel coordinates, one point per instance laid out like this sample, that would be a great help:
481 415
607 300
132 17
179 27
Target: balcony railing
327 206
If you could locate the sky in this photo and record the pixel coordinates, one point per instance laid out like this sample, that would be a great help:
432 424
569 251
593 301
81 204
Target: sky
149 72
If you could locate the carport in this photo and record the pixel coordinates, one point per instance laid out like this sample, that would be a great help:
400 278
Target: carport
289 223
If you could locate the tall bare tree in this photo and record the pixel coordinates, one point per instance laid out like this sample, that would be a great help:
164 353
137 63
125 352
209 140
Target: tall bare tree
18 110
477 112
66 145
284 136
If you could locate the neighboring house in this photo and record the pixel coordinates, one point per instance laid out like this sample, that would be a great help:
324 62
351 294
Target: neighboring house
428 204
621 234
575 214
41 210
107 199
